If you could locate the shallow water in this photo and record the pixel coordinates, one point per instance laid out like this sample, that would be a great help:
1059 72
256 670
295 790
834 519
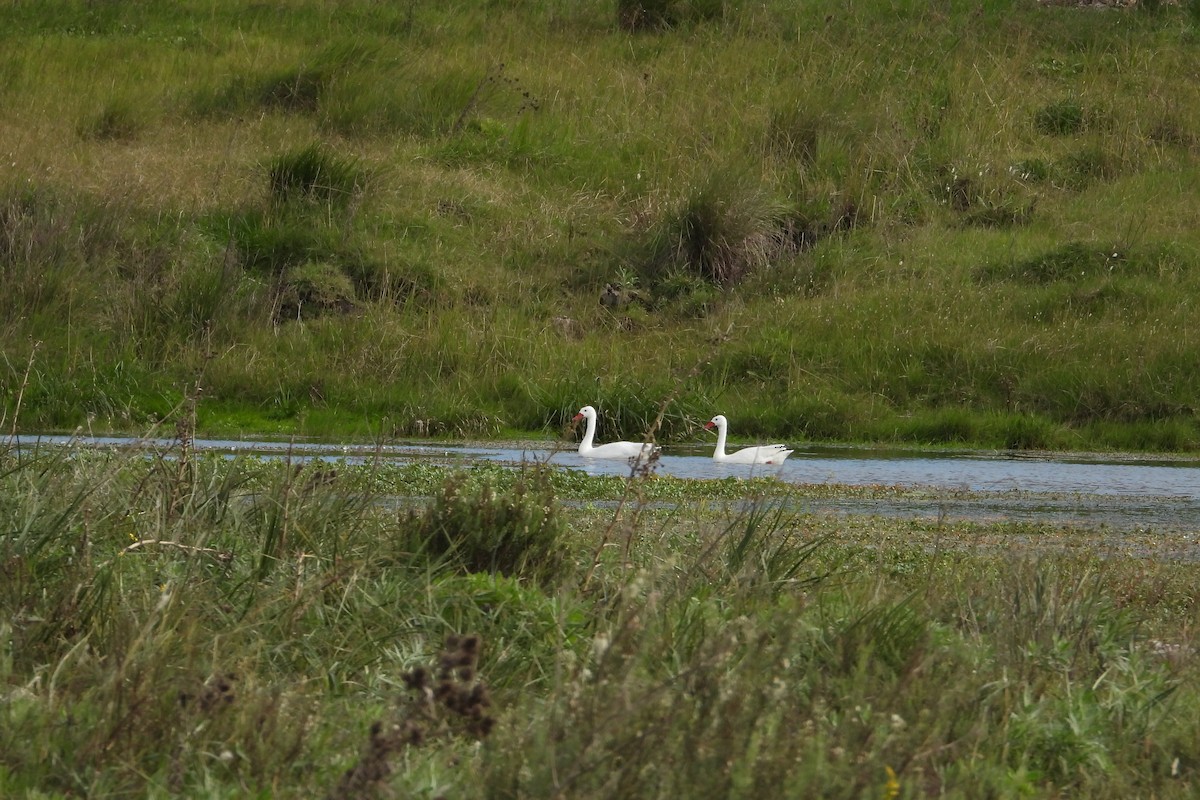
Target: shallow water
1119 491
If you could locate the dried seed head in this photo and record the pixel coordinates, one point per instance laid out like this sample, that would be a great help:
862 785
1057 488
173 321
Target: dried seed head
416 679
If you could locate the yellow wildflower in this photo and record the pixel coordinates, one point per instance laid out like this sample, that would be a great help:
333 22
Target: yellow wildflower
891 789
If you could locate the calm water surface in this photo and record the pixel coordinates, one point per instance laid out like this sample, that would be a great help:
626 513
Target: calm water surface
1137 492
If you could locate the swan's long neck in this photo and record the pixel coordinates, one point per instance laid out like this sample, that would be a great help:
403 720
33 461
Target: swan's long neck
589 433
721 439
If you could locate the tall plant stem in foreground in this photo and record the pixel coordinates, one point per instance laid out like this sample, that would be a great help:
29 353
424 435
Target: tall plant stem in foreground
185 432
21 392
639 469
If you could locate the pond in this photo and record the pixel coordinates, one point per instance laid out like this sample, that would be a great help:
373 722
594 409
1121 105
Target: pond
1123 492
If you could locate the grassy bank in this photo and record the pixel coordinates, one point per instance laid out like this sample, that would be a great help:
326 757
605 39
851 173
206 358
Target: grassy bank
175 626
958 223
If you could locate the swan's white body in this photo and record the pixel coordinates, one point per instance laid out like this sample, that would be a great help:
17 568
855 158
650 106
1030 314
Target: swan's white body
763 454
637 450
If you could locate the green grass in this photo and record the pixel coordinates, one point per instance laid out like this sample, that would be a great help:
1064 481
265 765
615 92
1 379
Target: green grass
968 225
182 625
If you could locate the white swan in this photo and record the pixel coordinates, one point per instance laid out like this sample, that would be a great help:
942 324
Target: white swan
637 450
763 454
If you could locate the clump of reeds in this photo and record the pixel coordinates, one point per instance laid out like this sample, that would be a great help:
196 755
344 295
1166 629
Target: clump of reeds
473 527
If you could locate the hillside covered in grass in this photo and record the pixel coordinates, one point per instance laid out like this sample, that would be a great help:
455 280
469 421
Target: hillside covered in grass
948 222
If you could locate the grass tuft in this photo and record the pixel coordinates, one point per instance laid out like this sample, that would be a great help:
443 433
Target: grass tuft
117 121
315 173
1073 261
472 527
724 231
1061 118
